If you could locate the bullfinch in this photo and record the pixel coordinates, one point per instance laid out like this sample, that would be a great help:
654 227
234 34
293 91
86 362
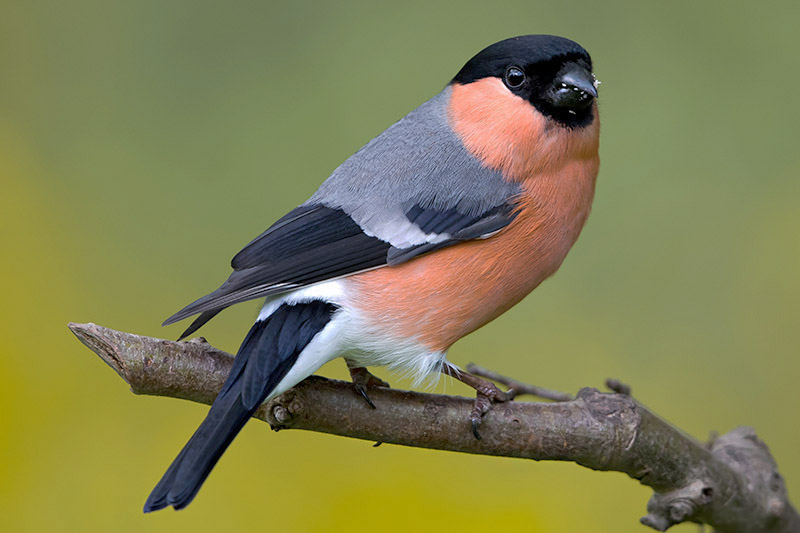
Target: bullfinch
434 228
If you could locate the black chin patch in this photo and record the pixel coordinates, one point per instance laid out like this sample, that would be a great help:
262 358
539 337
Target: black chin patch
541 57
541 77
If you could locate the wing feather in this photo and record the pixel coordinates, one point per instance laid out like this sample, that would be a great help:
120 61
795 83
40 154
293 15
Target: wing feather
308 245
315 243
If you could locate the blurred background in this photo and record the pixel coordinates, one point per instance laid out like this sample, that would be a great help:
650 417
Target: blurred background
142 144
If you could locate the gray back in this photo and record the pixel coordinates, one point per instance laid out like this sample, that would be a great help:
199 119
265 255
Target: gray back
418 160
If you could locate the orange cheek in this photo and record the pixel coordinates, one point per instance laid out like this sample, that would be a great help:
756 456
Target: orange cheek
507 133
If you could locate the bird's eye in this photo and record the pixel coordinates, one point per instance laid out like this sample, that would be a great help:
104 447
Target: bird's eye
514 77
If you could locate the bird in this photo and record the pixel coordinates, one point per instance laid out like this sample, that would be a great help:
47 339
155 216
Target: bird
434 228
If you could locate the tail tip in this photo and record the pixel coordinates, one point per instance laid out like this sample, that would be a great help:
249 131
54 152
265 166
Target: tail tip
152 505
156 502
149 507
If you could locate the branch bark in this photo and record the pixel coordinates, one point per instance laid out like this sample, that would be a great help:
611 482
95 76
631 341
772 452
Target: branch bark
731 484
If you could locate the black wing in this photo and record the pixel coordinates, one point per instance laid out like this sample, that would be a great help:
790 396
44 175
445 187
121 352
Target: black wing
309 244
315 243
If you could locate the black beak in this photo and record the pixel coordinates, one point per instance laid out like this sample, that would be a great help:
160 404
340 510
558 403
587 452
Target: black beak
574 87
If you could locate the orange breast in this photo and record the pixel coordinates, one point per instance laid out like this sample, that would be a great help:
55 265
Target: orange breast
442 296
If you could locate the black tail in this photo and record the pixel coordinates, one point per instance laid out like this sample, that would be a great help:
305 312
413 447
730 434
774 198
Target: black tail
199 322
265 357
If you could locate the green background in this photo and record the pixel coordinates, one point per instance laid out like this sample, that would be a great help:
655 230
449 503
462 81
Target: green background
143 143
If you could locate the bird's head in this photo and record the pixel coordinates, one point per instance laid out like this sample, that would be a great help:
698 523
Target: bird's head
552 73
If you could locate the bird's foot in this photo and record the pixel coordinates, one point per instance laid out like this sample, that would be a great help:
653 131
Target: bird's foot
488 395
362 380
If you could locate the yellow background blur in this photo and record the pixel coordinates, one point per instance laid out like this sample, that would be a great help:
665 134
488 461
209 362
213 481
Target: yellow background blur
143 143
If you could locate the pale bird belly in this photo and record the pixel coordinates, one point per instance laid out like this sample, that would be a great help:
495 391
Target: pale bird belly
440 297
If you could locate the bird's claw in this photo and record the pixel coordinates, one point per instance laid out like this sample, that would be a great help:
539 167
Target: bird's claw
481 406
476 422
362 390
362 380
488 395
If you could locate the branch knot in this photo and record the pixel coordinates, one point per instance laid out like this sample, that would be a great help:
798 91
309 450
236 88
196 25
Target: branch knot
684 504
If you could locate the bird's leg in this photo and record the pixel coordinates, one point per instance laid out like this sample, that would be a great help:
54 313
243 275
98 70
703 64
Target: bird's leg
362 379
488 394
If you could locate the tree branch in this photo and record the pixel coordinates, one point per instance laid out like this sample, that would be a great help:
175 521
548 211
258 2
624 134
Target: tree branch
731 484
